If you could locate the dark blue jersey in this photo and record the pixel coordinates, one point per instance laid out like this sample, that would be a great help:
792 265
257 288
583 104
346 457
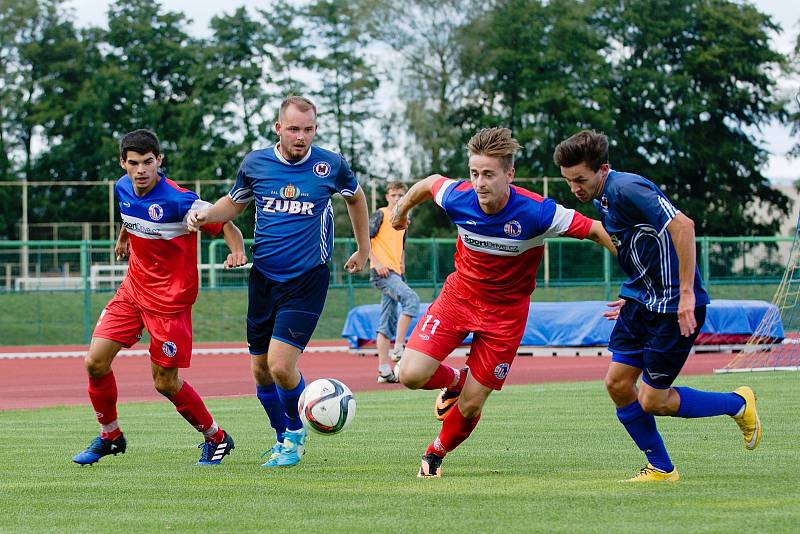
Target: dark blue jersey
294 212
635 213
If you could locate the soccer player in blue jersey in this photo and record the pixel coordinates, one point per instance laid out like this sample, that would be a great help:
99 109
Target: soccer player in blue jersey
661 309
292 184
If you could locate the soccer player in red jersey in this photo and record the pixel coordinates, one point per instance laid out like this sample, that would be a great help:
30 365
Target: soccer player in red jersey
501 232
157 293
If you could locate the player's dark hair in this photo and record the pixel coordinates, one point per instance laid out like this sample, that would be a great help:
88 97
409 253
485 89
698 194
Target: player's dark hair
141 141
393 186
495 143
300 102
586 146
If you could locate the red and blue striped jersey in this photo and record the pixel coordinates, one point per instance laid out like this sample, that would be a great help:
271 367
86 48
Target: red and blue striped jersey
497 255
162 268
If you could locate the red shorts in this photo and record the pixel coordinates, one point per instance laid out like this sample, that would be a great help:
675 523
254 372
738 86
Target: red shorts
496 333
122 321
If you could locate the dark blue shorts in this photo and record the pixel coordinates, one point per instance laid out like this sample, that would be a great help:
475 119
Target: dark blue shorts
652 342
286 311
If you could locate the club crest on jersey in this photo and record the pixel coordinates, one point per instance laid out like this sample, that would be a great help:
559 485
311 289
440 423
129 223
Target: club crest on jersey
322 169
155 212
290 192
501 371
512 228
169 349
604 202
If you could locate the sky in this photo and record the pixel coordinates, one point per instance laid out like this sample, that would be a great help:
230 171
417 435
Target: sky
777 139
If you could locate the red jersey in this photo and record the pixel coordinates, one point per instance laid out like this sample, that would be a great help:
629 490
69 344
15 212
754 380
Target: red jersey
162 269
497 255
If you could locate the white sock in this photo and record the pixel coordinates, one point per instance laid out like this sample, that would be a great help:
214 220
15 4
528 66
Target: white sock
384 369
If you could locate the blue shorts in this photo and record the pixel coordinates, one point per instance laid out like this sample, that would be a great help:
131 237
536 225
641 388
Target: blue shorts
395 292
652 342
287 311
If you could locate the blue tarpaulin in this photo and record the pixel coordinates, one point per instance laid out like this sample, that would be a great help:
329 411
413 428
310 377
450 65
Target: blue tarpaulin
576 324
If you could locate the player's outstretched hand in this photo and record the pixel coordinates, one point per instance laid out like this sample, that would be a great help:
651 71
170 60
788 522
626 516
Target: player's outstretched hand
615 306
356 262
195 219
235 259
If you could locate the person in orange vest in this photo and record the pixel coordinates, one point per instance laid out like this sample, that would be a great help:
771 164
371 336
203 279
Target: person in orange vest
387 267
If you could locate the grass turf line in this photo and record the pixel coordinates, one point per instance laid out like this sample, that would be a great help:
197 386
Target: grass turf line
544 458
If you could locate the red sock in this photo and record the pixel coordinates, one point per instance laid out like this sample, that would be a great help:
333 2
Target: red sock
442 378
455 429
189 404
103 395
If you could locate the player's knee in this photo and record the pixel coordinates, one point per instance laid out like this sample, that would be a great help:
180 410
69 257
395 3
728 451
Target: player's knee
96 368
166 385
469 408
653 405
410 379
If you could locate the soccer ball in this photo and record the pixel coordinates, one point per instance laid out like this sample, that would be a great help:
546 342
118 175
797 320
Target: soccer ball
326 406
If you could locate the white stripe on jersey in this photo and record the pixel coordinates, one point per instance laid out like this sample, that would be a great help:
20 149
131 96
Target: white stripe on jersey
562 219
651 293
348 192
442 190
242 195
153 230
497 246
327 216
669 209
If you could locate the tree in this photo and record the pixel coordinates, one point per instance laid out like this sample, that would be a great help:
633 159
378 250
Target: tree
692 80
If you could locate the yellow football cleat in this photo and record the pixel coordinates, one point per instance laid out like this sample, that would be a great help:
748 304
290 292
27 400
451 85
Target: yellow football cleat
651 474
749 421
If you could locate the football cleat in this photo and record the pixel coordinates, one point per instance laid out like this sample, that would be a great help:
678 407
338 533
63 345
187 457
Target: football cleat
292 450
213 453
100 447
431 466
391 378
446 400
273 454
749 422
651 474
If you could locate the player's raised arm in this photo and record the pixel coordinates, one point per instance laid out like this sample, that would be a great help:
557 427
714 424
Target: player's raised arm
223 210
359 218
681 229
235 241
599 235
419 193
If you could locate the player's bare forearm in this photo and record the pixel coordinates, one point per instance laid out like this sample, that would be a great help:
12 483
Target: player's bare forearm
121 246
359 218
599 235
681 229
419 193
235 241
223 210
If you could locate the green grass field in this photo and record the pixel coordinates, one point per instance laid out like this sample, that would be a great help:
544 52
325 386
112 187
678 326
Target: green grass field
45 318
545 458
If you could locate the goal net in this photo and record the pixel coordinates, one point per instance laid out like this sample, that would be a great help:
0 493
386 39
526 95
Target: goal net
763 351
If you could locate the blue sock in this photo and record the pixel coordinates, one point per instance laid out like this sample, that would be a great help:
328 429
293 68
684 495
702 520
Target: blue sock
268 395
696 403
289 399
642 428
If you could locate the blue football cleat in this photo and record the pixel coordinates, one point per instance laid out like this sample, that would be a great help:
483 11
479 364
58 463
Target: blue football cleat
100 447
273 454
293 448
213 453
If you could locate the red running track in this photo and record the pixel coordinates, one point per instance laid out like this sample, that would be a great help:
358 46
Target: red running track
41 382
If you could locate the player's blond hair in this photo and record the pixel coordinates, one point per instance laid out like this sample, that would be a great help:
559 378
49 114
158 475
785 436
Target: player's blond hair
495 143
300 102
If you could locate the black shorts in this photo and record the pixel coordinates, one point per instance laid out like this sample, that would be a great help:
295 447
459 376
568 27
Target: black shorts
287 311
652 342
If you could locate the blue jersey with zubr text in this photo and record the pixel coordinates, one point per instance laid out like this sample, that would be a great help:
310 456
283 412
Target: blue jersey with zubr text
294 211
635 213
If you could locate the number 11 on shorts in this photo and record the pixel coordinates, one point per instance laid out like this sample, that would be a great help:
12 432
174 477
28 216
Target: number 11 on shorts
428 320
